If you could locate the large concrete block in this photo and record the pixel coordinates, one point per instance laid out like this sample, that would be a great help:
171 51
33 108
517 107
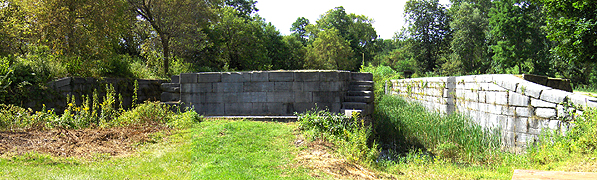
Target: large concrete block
345 76
516 99
298 86
361 76
580 100
471 96
283 86
545 112
236 77
192 98
306 76
283 96
175 79
253 97
554 96
228 87
281 76
530 89
508 82
302 96
238 108
524 112
522 125
329 76
491 87
258 86
209 77
259 109
195 87
280 108
326 97
217 109
188 78
222 97
497 98
259 76
331 86
312 86
540 103
304 107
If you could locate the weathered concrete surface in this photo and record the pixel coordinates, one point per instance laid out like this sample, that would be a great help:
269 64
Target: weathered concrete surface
518 107
271 93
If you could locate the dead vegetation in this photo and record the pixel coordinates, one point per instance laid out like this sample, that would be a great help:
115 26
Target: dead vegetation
80 143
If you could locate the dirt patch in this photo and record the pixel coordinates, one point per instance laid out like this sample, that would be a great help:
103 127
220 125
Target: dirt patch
82 143
317 157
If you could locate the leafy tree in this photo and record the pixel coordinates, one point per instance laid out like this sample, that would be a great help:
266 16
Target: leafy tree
73 27
573 24
173 20
330 51
237 44
244 8
356 29
14 29
429 27
299 29
469 45
517 37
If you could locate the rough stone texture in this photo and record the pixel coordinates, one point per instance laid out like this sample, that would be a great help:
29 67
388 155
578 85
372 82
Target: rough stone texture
519 108
271 92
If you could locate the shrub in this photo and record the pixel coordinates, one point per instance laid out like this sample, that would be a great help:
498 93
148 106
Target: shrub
352 137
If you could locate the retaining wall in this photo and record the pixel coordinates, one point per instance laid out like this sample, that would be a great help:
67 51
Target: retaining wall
519 108
265 92
55 97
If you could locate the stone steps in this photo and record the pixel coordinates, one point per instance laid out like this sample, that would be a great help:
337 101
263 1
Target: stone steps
359 97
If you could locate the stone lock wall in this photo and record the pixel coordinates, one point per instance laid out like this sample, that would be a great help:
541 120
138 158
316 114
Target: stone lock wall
519 108
262 92
55 97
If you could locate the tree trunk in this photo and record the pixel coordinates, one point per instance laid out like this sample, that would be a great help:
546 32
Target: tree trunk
166 52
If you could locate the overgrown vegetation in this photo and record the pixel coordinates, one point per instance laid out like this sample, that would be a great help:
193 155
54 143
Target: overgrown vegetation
350 134
93 112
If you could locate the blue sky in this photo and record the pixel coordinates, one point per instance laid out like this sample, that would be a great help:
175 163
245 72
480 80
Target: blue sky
388 15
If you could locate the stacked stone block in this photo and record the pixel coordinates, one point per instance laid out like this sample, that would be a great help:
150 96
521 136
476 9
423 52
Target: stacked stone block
519 108
263 92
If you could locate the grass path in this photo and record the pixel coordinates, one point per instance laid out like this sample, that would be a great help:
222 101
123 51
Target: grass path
214 149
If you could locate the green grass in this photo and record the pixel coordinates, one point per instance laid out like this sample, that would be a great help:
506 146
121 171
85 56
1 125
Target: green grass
171 159
246 150
216 149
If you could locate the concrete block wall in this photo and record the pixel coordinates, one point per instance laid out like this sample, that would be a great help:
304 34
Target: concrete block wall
263 92
55 97
519 108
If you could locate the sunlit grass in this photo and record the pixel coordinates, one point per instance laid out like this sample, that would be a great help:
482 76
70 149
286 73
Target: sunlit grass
226 149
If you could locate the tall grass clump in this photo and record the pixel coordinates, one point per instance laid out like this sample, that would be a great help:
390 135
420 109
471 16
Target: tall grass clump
404 127
350 134
559 144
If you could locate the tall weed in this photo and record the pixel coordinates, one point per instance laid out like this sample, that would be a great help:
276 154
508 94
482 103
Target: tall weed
350 134
557 145
403 127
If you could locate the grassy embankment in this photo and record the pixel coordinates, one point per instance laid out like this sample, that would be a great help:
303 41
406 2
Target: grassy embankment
215 149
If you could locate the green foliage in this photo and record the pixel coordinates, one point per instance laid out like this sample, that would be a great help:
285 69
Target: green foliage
351 136
429 26
561 144
381 75
518 38
330 51
469 45
407 127
573 24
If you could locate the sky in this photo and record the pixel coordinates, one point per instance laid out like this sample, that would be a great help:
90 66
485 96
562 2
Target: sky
388 15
